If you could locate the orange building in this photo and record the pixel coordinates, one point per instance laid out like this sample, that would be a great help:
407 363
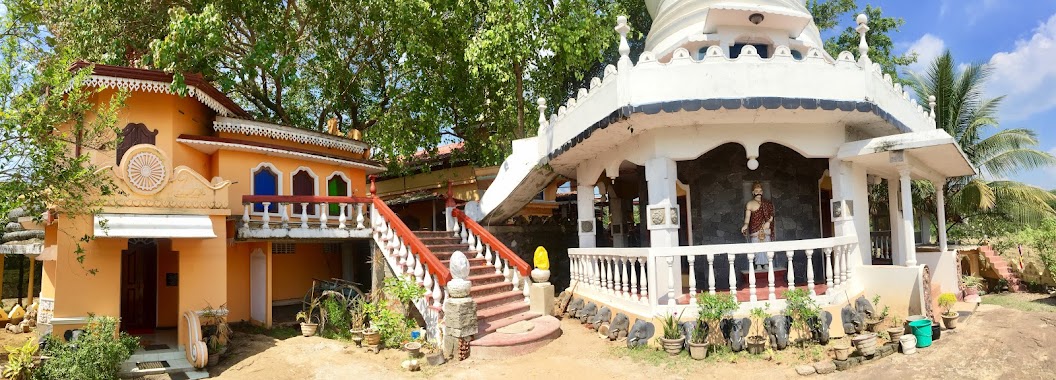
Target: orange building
175 238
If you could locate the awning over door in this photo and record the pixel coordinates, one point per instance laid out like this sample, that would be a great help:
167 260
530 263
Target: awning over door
930 154
153 226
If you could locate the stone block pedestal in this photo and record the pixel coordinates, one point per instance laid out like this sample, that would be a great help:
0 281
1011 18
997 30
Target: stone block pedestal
541 298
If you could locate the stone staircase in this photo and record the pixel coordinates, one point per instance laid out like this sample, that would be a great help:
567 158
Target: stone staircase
1003 268
167 363
498 304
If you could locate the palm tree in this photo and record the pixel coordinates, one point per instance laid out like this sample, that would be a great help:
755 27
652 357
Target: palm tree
966 114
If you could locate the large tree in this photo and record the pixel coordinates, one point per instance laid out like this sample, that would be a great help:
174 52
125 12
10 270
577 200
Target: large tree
828 16
963 111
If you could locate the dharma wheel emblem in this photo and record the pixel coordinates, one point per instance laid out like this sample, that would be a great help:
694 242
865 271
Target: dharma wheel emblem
146 171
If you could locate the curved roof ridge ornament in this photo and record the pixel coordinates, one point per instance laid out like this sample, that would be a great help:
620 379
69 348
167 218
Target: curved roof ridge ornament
625 49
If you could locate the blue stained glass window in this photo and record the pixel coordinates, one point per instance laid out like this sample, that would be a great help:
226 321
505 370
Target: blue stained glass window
265 182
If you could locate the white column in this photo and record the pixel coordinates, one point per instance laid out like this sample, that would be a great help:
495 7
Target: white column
585 206
896 221
940 206
616 218
907 217
661 174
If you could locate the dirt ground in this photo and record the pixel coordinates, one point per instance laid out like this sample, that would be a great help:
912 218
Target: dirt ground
996 343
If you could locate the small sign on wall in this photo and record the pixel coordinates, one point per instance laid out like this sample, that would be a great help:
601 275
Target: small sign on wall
172 279
842 209
45 310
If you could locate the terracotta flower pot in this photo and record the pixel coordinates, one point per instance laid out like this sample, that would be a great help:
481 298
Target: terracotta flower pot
950 320
214 359
756 344
866 343
698 351
673 346
893 333
843 352
413 349
371 337
309 329
357 337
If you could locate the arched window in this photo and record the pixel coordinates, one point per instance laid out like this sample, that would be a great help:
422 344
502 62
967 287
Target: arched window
336 186
304 183
265 182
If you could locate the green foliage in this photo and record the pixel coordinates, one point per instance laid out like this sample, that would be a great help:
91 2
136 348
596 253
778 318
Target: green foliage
827 16
971 282
97 355
403 289
394 327
356 314
759 316
801 308
700 332
308 314
338 319
946 302
671 325
1042 239
712 308
20 362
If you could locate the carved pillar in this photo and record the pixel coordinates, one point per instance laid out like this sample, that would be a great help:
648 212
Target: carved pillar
907 217
460 311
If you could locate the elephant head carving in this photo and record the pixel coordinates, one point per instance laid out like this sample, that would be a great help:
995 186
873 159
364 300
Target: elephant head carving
619 326
735 330
603 316
574 306
864 308
777 327
587 312
853 322
640 333
819 326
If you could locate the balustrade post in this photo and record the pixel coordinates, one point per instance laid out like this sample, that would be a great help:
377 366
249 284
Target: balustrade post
625 271
506 273
498 263
828 269
437 294
644 281
419 270
810 272
487 256
480 246
770 275
359 216
245 214
751 278
471 241
322 216
304 215
670 281
618 285
711 273
516 280
692 279
527 284
610 274
427 281
284 219
845 251
791 274
840 263
732 260
636 292
267 216
342 217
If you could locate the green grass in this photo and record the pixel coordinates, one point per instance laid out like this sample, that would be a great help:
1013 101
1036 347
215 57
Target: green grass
279 332
1022 301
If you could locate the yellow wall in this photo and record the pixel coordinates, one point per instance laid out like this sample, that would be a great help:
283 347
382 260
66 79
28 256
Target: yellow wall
168 296
238 167
203 271
292 274
76 291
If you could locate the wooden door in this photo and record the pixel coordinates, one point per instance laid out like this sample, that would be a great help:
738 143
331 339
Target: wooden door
139 296
303 184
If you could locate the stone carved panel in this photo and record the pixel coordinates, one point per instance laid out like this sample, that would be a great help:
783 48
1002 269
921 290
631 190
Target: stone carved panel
586 226
656 216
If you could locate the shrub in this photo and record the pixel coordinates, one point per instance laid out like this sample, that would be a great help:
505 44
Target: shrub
801 308
95 355
946 301
712 308
338 319
20 363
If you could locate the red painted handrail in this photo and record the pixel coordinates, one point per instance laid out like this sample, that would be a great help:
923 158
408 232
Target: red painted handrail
496 245
303 199
409 238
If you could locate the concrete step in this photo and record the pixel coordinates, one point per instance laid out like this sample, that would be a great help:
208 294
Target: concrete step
175 364
488 289
448 248
473 262
488 278
545 329
497 299
501 311
440 240
480 269
433 234
490 327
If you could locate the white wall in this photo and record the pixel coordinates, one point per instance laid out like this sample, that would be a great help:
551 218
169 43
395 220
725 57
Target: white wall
943 268
899 287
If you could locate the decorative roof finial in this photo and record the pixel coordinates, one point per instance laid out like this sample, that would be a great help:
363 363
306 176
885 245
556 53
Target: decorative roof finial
625 50
931 103
542 114
863 47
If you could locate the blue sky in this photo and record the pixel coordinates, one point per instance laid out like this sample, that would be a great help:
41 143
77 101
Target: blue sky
1017 37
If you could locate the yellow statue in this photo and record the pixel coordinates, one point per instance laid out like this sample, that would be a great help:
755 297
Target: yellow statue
541 260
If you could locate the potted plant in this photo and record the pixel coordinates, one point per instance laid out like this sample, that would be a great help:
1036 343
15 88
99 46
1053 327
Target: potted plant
873 324
698 342
306 316
358 317
949 317
673 339
757 341
971 284
215 327
214 350
712 308
896 330
842 348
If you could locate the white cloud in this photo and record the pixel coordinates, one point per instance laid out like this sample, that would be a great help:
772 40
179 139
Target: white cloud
1026 75
927 48
970 11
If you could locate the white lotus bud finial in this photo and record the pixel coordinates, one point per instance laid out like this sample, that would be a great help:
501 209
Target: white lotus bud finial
625 49
542 113
931 104
459 265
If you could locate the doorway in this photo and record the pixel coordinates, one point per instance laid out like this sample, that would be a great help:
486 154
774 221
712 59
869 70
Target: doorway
139 292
